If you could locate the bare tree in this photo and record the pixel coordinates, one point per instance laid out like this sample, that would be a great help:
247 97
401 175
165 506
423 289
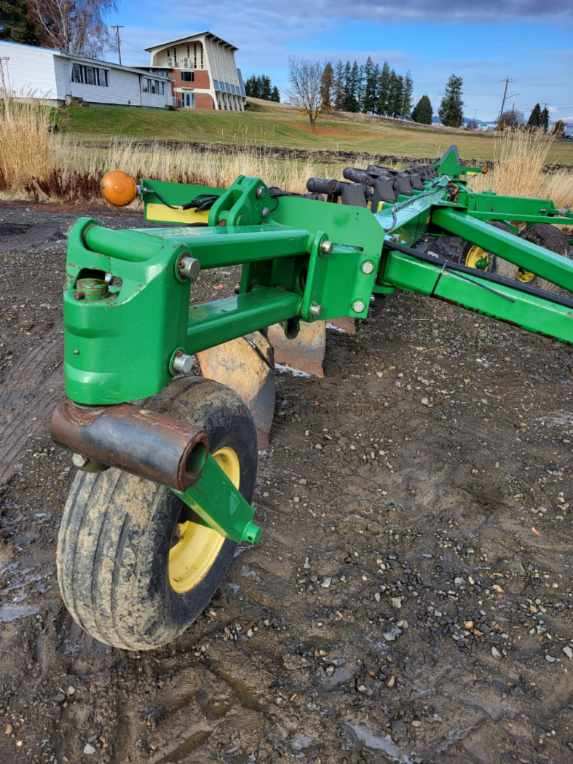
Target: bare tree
305 80
74 26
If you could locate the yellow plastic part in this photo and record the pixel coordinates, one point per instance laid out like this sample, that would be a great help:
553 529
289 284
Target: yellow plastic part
163 214
118 188
198 546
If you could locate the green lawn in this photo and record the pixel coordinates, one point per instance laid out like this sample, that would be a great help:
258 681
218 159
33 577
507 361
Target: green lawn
278 126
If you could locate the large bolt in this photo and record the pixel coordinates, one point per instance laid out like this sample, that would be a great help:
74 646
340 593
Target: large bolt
326 247
315 310
80 461
367 267
188 267
358 306
182 363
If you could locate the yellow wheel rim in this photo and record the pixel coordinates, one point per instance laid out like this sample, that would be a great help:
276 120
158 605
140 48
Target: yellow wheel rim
526 277
476 257
197 547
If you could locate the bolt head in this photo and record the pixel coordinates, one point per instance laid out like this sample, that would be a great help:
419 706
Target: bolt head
326 247
260 191
79 461
358 306
367 267
315 310
188 267
182 363
265 212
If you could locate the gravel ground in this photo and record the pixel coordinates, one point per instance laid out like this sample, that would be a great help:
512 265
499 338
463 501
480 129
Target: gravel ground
412 600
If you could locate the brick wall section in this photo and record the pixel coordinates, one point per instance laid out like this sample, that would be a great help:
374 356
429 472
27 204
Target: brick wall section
201 79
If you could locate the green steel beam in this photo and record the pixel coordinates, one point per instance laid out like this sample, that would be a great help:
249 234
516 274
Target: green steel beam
219 321
525 254
497 300
220 506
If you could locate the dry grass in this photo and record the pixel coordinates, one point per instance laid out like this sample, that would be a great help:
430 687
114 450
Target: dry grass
39 163
520 156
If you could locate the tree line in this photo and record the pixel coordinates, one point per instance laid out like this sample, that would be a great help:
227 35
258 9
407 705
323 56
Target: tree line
538 120
260 86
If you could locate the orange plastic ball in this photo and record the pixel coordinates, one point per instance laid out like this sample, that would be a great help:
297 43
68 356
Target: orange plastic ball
118 188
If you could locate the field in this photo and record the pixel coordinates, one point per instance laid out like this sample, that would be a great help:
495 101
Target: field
276 126
412 599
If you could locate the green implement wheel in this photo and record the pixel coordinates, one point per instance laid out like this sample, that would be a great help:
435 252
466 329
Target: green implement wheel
135 567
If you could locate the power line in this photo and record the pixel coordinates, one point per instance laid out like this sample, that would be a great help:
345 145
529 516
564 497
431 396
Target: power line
117 27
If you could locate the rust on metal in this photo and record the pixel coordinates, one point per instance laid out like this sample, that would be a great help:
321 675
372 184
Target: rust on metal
143 442
305 352
246 366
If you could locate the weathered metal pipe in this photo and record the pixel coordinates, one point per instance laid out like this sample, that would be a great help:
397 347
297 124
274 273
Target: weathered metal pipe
140 441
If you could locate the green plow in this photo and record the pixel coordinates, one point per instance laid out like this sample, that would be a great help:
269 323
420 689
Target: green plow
183 446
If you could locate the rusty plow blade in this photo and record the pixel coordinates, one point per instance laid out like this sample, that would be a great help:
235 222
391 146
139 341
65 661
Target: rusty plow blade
345 325
246 366
304 352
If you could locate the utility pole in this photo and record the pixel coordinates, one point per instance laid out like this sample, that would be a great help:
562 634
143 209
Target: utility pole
117 27
507 81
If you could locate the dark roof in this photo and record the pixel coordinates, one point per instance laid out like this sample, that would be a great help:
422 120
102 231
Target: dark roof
210 35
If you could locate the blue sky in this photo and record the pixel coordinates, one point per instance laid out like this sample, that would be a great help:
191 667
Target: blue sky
483 40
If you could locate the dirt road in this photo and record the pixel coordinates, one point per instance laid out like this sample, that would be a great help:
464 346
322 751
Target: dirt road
412 600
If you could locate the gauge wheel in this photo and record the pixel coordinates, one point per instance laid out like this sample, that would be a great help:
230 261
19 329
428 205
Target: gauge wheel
135 567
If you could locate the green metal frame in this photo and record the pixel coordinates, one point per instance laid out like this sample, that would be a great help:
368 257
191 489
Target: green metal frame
127 308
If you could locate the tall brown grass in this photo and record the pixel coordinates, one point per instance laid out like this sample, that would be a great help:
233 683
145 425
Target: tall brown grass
25 141
520 157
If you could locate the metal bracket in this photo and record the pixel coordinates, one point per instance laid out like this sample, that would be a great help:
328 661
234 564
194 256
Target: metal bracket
220 505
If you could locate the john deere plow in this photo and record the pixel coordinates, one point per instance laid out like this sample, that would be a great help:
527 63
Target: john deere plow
168 458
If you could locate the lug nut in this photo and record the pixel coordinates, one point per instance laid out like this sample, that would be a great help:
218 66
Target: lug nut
315 310
326 247
358 306
367 267
188 267
182 363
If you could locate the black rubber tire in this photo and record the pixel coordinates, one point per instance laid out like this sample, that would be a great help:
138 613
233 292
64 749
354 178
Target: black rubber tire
117 529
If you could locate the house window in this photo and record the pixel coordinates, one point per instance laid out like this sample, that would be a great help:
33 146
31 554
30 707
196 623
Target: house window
90 75
187 76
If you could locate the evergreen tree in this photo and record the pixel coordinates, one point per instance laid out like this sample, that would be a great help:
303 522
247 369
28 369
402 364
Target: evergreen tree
423 112
396 94
384 89
327 87
353 88
544 121
370 86
265 87
407 95
339 86
534 120
275 95
16 24
452 107
559 129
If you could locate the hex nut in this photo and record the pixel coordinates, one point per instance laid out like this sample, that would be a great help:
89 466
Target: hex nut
358 306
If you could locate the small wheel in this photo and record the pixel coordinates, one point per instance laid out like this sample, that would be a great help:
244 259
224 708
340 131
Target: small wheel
135 569
476 257
552 238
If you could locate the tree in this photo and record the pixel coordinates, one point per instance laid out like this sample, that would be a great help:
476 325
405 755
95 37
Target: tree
395 94
73 26
452 107
327 87
544 122
407 92
339 87
559 129
384 89
275 95
534 120
423 111
305 78
16 24
266 88
370 86
510 119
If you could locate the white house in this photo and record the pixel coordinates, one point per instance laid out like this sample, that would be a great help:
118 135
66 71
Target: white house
56 77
